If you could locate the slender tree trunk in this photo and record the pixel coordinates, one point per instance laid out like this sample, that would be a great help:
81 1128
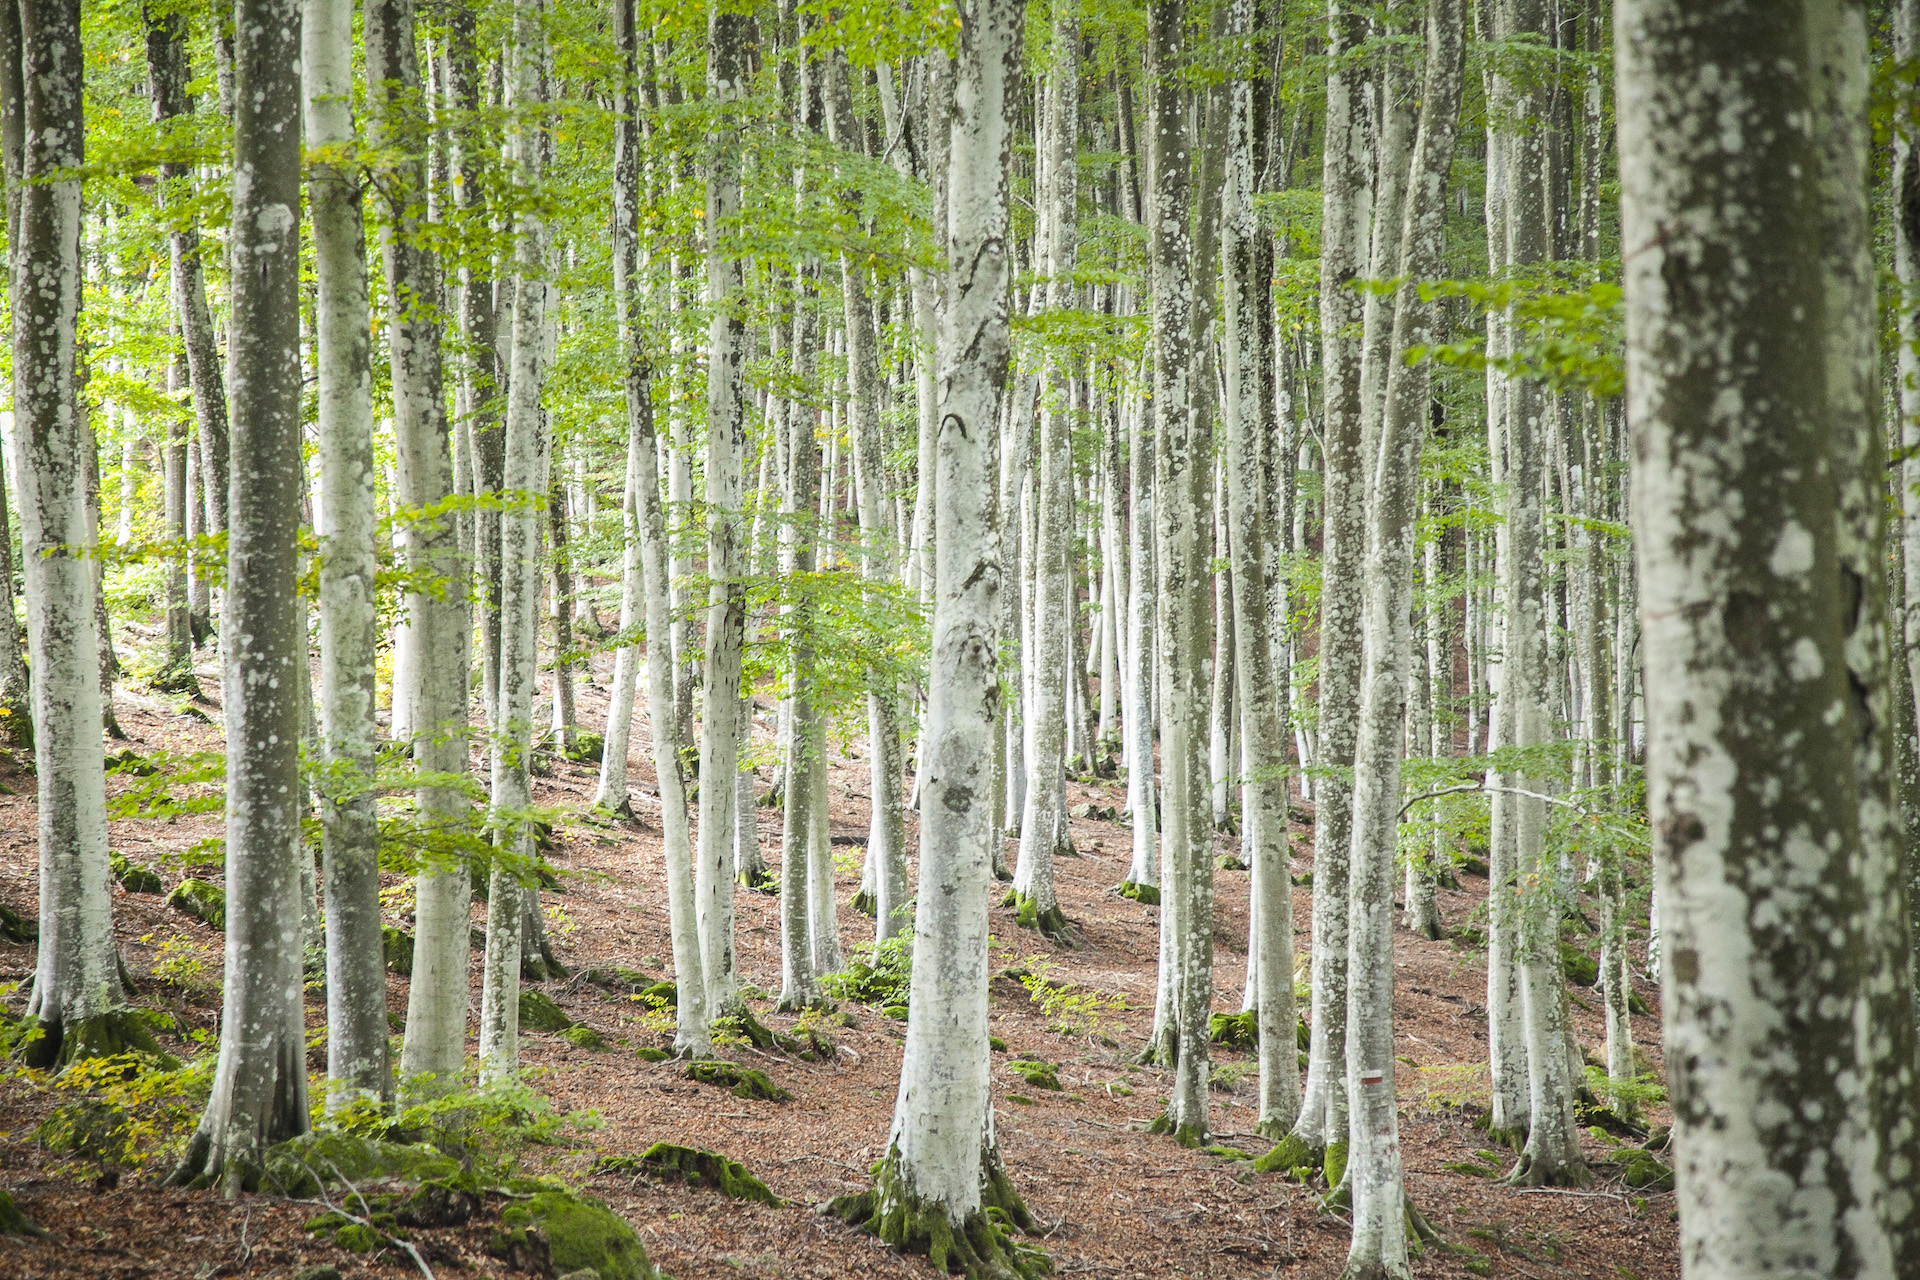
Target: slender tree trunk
76 987
1143 874
1323 1110
524 483
942 1170
356 971
1379 1246
437 631
1763 853
1182 476
805 728
1264 811
1906 258
728 36
260 1080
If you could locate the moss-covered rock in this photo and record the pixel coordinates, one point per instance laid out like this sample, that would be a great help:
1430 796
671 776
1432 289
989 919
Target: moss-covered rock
15 927
1643 1170
205 902
583 1037
558 1233
301 1166
14 1222
539 1013
705 1169
1041 1075
743 1082
1229 862
617 978
1235 1030
647 1053
133 876
663 995
399 948
1582 970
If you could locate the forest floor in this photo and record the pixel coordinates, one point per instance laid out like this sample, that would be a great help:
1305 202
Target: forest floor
1114 1200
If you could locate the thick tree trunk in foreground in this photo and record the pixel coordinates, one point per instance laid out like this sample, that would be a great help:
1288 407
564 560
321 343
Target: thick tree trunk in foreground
350 845
1906 259
76 984
942 1170
1759 852
260 1082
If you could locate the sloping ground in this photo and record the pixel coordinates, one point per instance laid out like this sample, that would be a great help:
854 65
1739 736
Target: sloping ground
1117 1201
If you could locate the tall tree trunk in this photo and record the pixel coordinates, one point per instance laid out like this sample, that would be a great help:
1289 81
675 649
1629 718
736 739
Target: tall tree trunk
887 833
357 1065
1182 480
942 1171
1906 259
260 1080
524 483
437 632
1765 862
728 38
1380 1214
76 988
1264 811
1552 1153
804 726
1323 1109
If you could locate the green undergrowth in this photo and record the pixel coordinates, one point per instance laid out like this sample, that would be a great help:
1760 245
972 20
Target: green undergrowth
878 973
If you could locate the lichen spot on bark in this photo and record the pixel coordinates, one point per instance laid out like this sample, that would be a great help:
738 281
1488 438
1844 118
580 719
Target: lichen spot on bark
1792 551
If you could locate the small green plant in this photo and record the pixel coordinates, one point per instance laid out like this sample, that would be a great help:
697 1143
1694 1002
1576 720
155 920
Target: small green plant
848 861
181 962
1068 1009
879 973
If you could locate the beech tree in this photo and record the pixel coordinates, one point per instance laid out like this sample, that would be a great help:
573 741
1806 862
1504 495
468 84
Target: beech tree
260 1082
1743 459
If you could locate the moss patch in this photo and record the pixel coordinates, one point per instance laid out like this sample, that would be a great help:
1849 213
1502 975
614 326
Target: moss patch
705 1169
539 1013
1041 1075
1147 894
1582 970
135 877
558 1233
1235 1030
1052 923
302 1165
743 1082
205 902
583 1037
13 1222
399 948
1291 1157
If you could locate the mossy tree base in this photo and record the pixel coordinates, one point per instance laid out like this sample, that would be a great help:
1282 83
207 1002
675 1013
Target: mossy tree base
1145 894
15 1223
1052 923
866 904
981 1247
1292 1155
1191 1136
761 880
1535 1170
104 1035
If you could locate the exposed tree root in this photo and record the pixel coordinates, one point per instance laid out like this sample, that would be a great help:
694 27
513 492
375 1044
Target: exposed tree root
104 1035
1291 1153
866 903
1535 1170
1052 923
981 1247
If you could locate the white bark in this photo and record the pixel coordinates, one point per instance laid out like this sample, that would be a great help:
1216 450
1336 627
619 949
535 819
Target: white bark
524 483
941 1145
357 1065
76 975
1776 1040
1379 1246
727 69
260 1080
